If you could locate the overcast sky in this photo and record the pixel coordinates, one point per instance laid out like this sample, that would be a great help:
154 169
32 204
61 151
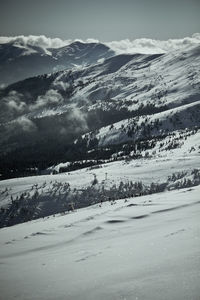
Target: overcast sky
105 20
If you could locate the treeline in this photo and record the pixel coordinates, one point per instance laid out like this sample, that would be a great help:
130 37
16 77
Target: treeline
56 197
84 153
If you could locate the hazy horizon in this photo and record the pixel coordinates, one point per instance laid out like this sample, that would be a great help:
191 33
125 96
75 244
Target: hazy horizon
106 20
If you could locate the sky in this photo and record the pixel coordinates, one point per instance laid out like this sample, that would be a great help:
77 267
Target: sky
105 20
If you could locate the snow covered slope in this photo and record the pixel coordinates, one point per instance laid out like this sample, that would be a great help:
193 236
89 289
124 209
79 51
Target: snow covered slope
26 56
117 214
146 248
163 167
151 95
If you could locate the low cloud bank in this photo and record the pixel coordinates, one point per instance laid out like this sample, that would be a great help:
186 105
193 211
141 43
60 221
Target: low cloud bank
38 41
148 46
143 45
39 122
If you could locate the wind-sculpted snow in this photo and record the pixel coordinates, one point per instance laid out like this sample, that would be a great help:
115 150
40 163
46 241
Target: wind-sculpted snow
135 248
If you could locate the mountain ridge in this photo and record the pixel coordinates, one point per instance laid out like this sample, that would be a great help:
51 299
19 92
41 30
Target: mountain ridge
18 61
158 93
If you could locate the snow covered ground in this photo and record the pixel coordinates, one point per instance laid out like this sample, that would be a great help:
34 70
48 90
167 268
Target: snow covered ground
155 169
145 248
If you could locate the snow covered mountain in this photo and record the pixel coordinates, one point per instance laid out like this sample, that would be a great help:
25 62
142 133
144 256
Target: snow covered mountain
19 61
123 99
112 144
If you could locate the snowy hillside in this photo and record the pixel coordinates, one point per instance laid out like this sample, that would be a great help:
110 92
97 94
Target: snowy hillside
100 169
125 98
143 248
161 168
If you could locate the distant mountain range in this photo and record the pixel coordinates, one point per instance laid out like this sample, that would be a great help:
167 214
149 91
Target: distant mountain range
19 61
93 104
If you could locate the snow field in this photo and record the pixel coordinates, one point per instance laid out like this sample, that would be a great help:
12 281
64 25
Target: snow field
145 248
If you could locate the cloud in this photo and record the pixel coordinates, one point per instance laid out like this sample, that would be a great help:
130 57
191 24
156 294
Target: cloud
150 46
51 97
39 41
101 60
16 129
61 85
25 124
78 120
14 102
2 86
90 40
143 45
12 106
